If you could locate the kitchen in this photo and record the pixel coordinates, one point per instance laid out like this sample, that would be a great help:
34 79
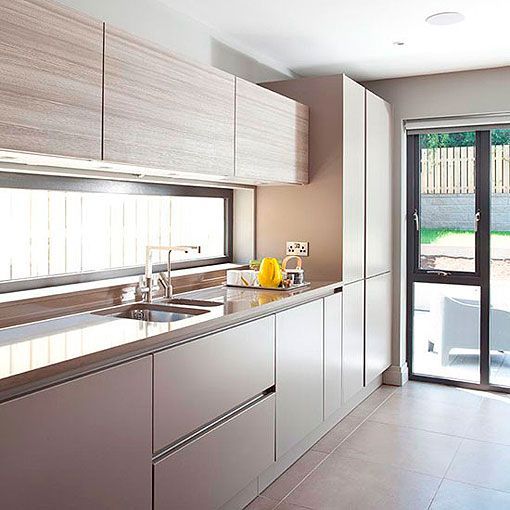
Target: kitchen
200 283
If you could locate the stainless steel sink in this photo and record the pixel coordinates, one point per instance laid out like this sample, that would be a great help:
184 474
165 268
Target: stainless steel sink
192 302
151 312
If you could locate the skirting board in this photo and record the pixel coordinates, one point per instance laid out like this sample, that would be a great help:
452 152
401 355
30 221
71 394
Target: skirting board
396 375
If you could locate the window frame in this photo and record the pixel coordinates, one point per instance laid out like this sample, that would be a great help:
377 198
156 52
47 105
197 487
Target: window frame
91 185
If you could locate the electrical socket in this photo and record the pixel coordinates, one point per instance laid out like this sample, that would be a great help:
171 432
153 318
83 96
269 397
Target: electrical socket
299 248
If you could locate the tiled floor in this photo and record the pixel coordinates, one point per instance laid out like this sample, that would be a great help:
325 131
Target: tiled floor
423 446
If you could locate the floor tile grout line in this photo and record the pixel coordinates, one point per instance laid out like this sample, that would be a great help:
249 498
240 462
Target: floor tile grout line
331 453
470 438
435 494
446 471
477 486
419 428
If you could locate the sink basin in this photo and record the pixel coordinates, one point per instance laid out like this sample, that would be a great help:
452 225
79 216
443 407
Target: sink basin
193 302
151 312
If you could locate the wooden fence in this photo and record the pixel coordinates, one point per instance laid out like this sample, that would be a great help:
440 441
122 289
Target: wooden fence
452 170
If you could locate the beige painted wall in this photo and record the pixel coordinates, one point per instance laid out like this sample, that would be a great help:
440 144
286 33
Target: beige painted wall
313 212
440 95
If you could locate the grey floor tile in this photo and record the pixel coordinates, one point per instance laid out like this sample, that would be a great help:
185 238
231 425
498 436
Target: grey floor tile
440 393
483 464
370 404
262 503
337 434
289 506
441 417
417 450
294 475
460 496
342 483
492 423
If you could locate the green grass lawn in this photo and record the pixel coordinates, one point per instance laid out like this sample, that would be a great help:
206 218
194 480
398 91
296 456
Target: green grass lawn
459 237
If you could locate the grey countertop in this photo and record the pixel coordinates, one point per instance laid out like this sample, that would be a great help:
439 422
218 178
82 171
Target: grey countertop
37 355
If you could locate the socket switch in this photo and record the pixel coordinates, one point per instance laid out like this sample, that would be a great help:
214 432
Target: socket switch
297 248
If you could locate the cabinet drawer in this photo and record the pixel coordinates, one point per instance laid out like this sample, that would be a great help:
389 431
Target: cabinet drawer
197 382
209 471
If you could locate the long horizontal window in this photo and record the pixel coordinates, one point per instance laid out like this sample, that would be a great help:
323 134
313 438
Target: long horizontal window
66 230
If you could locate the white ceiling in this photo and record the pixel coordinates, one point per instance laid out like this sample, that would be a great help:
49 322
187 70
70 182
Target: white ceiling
313 37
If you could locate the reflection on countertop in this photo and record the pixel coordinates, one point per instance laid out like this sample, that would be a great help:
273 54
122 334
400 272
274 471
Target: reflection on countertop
34 352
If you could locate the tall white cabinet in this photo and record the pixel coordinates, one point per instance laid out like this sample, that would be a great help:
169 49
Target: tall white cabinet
367 246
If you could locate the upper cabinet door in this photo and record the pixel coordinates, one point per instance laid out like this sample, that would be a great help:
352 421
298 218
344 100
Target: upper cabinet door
51 85
271 136
378 185
164 112
353 182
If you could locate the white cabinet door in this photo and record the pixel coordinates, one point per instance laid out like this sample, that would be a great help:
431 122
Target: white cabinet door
378 186
353 181
210 470
217 373
378 326
332 354
352 339
299 374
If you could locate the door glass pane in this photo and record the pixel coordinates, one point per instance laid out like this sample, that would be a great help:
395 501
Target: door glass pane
447 202
446 331
500 258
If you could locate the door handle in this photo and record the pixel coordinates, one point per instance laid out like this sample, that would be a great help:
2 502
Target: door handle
477 220
439 273
416 218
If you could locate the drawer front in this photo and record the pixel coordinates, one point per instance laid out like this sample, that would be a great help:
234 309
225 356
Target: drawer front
197 382
209 471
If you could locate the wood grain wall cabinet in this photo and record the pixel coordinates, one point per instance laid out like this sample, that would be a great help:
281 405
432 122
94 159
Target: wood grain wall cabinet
378 186
197 382
165 112
353 201
332 354
80 445
51 84
299 374
377 326
271 136
353 339
206 473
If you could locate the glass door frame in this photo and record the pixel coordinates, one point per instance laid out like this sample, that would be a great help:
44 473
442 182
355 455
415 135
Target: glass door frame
479 278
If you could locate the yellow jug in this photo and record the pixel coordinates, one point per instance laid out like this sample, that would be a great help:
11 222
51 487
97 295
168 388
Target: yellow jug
270 274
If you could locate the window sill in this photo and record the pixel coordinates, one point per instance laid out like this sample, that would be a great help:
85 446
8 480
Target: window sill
103 284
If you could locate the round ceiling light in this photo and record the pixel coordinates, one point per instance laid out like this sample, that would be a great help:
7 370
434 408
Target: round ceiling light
445 18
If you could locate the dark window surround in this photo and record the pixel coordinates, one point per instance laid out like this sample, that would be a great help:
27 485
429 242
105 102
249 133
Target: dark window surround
480 278
86 185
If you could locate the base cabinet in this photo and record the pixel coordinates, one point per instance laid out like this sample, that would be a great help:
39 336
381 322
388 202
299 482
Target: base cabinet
299 374
196 382
332 354
352 338
209 471
81 445
377 326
